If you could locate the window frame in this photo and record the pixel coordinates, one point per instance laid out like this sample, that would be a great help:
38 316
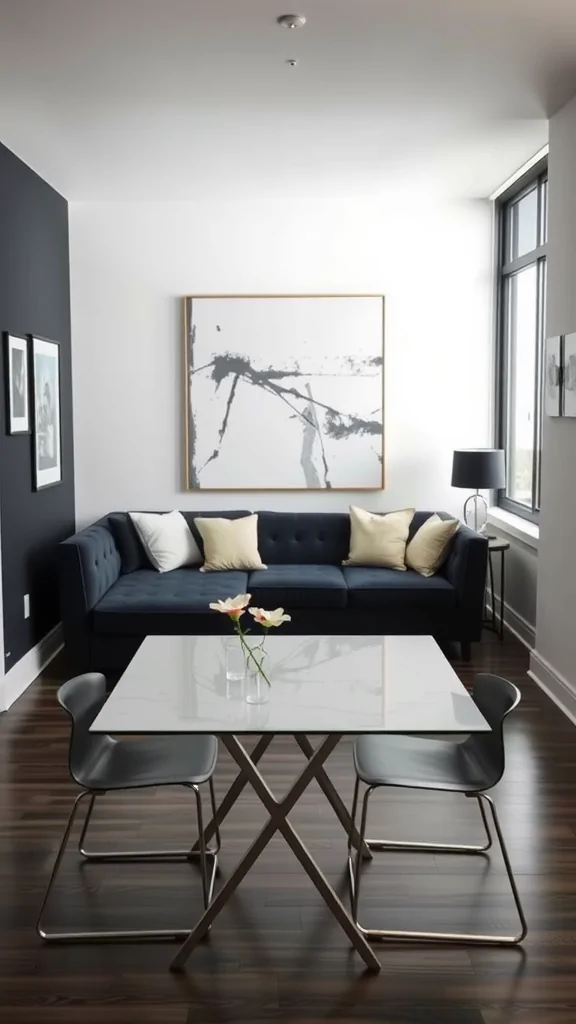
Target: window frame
535 177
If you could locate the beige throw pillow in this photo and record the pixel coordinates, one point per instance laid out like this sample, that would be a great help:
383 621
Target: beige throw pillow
428 549
379 539
230 543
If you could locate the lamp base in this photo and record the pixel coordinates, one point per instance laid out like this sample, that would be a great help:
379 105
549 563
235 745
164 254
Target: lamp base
475 513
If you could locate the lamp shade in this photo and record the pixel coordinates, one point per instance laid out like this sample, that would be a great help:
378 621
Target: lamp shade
479 468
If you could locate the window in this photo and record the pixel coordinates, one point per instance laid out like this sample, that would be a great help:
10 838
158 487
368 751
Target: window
522 217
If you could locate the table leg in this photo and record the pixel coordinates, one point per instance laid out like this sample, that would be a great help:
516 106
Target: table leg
333 797
234 792
278 811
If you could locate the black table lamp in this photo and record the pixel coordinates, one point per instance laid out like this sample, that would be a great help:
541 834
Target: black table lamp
481 469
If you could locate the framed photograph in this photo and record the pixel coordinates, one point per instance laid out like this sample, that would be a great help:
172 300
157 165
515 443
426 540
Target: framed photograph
17 391
569 376
47 440
553 376
284 392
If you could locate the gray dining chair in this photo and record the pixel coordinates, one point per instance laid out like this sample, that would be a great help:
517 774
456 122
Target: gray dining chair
470 768
101 764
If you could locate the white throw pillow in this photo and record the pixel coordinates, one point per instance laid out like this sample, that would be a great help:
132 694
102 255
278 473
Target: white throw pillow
379 539
230 543
167 539
428 549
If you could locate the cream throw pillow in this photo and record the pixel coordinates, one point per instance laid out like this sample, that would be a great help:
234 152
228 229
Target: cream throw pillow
166 539
427 550
230 543
379 540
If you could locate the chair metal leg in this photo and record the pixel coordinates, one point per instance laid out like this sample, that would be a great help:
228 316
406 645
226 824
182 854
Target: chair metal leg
353 815
140 934
138 855
391 844
383 934
355 876
215 819
39 926
81 850
207 883
524 929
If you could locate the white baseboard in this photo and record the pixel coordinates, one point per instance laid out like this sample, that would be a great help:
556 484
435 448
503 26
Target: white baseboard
554 684
20 677
517 624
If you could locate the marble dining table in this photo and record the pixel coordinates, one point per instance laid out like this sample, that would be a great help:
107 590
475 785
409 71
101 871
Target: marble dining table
320 686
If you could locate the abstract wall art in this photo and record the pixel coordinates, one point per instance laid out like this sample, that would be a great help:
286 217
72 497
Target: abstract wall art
284 392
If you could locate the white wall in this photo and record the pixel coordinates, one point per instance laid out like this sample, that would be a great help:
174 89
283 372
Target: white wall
131 263
554 661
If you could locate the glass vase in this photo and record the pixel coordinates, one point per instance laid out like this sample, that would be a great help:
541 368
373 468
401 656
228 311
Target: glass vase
257 686
235 660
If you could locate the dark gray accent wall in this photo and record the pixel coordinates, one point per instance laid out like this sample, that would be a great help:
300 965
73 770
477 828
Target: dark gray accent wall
34 299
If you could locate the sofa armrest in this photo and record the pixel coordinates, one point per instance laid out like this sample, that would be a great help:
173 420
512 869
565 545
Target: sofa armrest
89 563
465 569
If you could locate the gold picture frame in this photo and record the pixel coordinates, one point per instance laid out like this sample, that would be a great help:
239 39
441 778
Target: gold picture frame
190 474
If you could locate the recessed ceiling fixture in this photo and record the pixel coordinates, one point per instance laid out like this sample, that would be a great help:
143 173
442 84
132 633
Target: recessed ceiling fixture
292 20
292 62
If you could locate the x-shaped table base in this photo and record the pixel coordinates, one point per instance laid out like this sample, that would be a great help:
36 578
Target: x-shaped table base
278 822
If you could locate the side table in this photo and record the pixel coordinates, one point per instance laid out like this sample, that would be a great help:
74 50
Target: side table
496 546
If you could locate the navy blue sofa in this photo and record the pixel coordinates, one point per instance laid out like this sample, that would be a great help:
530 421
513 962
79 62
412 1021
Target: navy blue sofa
111 598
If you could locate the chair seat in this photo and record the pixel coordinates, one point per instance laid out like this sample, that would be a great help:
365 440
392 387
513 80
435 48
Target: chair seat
418 763
155 761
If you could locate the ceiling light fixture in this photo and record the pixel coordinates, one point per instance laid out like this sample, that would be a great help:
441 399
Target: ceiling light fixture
292 20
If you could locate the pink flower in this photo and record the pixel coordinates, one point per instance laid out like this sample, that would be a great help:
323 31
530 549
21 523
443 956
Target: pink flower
234 607
270 619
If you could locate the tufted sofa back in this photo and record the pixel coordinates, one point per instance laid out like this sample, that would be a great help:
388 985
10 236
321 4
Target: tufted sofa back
92 560
284 538
305 538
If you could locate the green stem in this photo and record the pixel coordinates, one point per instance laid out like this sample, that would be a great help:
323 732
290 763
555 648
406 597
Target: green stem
251 653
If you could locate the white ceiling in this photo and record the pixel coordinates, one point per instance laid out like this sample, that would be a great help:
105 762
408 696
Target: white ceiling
179 99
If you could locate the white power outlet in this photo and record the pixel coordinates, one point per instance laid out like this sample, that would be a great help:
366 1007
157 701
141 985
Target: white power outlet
26 606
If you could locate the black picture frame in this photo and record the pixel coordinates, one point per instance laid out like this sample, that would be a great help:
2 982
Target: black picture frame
18 420
47 413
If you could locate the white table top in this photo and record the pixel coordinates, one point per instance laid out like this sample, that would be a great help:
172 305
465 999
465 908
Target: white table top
320 685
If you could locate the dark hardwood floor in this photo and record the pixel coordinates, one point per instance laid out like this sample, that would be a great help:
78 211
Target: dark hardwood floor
275 953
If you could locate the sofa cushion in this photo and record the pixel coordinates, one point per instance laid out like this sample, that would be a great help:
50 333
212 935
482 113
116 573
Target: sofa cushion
303 538
145 594
370 587
298 586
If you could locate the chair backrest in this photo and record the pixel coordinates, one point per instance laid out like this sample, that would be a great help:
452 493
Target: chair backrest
496 698
82 697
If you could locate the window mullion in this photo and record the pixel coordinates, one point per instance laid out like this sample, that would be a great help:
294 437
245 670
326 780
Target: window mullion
520 302
539 390
536 412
